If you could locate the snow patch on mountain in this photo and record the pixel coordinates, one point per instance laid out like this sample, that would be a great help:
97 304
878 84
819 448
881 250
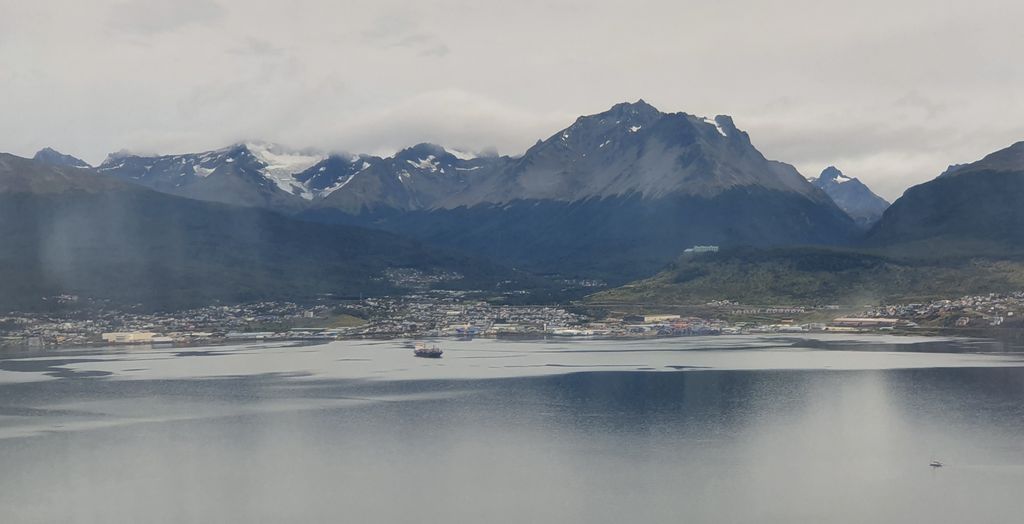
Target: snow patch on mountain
282 165
715 123
336 186
427 164
461 155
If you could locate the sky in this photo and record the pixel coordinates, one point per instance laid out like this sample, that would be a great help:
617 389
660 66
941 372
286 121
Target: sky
890 91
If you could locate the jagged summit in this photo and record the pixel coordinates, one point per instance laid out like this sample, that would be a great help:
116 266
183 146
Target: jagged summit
832 173
53 157
640 109
625 116
415 178
640 104
852 196
423 150
635 149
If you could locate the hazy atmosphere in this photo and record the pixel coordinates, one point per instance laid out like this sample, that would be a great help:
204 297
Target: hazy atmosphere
538 261
890 92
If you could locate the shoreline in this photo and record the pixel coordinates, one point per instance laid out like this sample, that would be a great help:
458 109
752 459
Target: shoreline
1013 338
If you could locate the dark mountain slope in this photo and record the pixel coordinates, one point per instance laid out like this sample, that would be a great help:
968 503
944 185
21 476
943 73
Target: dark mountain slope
65 230
618 195
616 238
978 206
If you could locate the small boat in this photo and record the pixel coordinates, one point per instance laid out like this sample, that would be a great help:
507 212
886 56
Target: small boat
935 464
422 350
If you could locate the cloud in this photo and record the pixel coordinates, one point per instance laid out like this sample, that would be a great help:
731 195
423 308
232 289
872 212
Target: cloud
887 154
148 17
403 31
915 100
389 27
889 92
436 50
450 117
257 47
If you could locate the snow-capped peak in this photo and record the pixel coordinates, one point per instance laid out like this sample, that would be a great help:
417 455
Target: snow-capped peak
279 159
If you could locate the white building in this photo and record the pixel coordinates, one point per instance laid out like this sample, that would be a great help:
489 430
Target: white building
701 249
129 337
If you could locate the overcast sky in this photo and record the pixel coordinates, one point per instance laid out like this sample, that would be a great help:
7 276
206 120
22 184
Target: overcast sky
889 91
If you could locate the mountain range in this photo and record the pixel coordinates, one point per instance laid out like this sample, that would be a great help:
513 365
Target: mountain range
267 175
72 230
253 174
616 195
631 149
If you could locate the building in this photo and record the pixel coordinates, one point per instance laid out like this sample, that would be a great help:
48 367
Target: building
249 335
701 249
650 319
129 337
851 322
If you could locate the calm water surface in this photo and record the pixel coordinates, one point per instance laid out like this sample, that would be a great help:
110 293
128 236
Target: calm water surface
722 429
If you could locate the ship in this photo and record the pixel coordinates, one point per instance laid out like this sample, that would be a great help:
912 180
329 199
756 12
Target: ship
422 350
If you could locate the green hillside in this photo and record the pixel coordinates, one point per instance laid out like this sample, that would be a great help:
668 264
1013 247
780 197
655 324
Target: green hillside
817 276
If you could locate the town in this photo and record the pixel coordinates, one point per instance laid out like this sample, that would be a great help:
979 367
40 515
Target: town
463 314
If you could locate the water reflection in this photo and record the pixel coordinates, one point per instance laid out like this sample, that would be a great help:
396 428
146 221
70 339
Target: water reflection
703 445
